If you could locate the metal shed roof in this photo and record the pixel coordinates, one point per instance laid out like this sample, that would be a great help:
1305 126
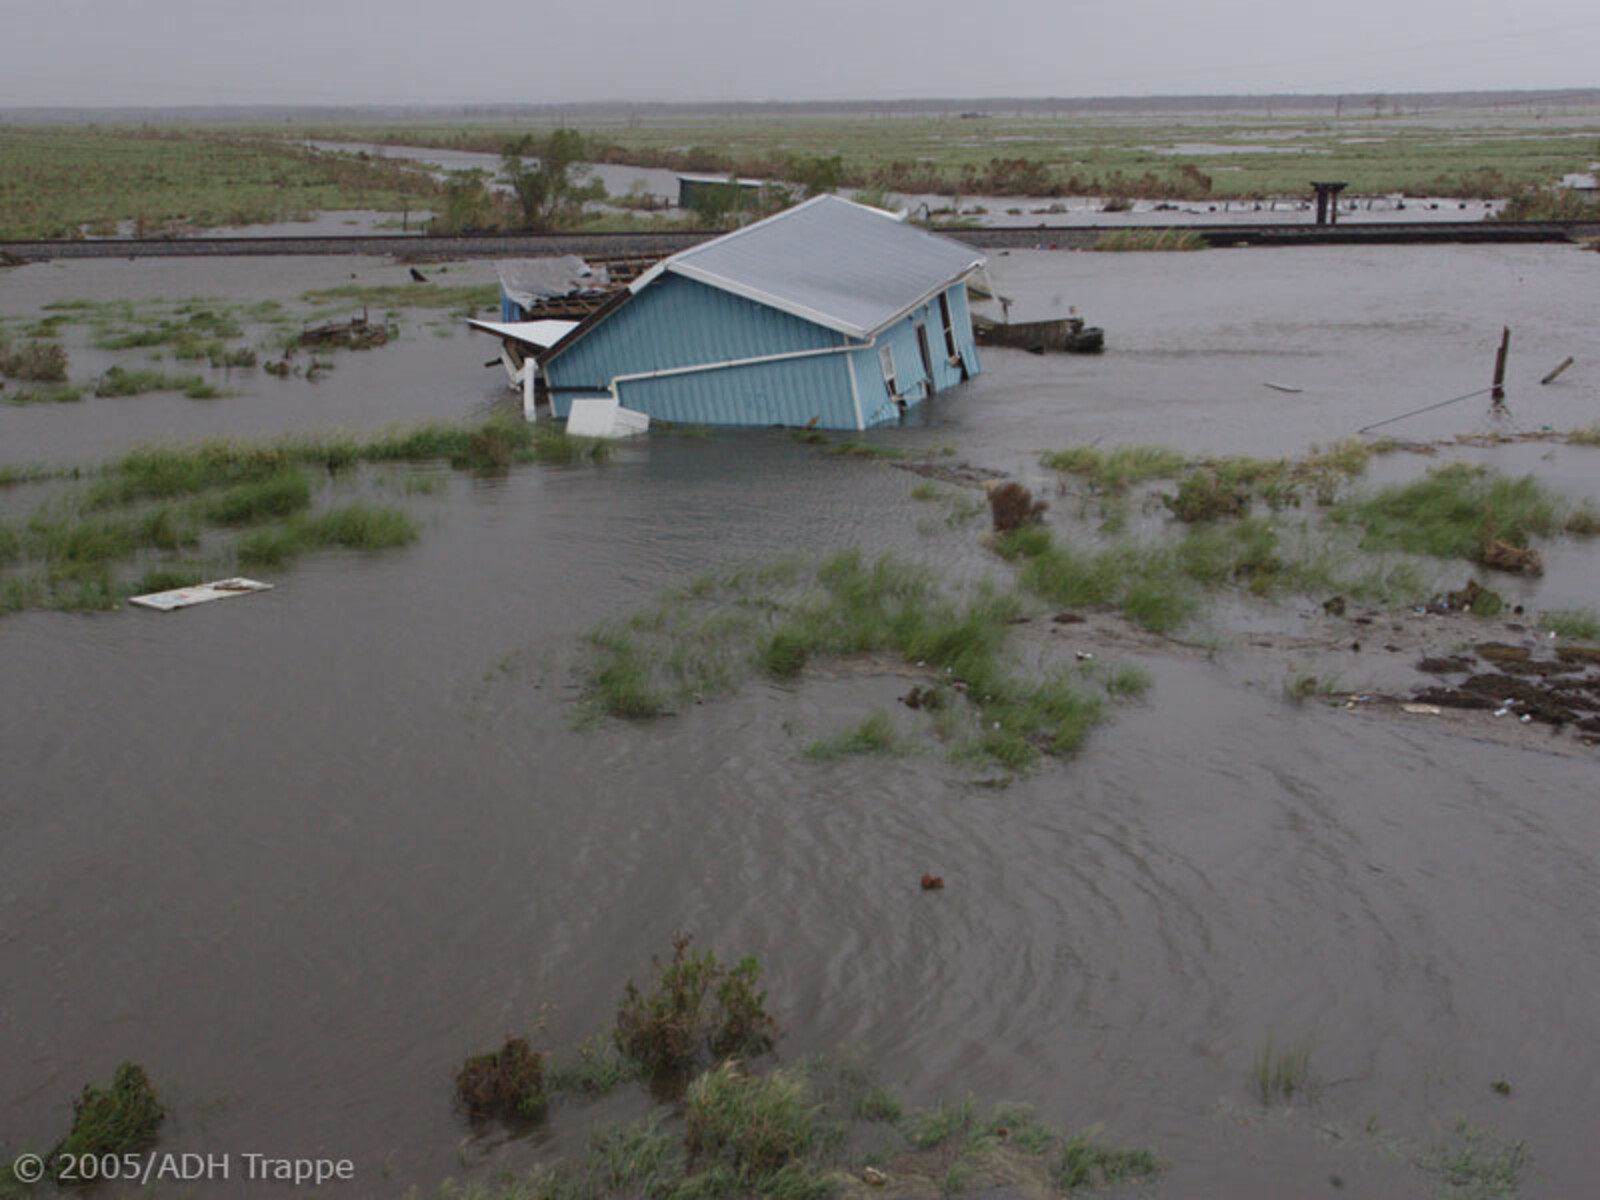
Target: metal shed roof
841 265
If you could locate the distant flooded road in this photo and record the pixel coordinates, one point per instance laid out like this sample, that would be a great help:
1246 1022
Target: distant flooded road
299 853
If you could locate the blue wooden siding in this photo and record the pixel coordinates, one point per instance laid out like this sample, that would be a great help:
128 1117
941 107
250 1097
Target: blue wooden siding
877 406
677 322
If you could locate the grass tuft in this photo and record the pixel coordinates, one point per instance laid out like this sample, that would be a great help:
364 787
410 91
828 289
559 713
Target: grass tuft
1457 511
1087 1163
1280 1072
1574 624
1478 1164
875 734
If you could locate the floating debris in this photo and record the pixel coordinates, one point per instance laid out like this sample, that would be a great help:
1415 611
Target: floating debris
201 593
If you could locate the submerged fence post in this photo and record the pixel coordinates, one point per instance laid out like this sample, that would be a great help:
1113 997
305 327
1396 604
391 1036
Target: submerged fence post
1498 394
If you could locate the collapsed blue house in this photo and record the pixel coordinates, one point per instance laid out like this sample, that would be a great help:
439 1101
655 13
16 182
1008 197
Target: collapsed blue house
829 314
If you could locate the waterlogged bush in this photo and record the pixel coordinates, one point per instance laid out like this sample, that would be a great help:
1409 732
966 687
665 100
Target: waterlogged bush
124 1118
508 1082
36 362
696 1007
1011 506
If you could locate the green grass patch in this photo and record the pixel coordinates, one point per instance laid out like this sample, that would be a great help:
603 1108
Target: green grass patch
753 1125
1472 1163
1086 1162
465 299
122 381
1118 469
1150 239
55 393
875 734
595 1068
864 450
707 639
1587 435
167 180
1457 511
351 527
277 495
1574 624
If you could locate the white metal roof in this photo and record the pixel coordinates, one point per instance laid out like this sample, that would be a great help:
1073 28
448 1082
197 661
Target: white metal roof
841 265
539 334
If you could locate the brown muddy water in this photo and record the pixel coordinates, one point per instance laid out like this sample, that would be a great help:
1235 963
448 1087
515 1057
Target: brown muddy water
300 853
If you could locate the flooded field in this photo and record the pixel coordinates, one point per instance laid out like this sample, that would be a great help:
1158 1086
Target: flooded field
300 853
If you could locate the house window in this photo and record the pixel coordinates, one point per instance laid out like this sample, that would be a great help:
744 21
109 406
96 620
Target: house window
952 351
890 380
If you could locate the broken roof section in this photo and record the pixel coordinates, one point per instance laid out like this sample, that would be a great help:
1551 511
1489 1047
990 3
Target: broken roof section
565 286
838 264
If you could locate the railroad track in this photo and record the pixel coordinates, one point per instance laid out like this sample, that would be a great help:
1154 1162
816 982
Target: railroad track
500 245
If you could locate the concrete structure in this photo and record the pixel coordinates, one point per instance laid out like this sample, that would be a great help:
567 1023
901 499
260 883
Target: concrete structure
830 314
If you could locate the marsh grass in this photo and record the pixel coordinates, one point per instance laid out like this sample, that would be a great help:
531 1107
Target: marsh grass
463 299
875 734
864 450
56 393
595 1068
1150 239
1574 624
1086 1162
1456 511
1282 1072
754 1125
1117 469
1587 435
351 527
123 381
124 1118
1474 1163
1162 584
707 639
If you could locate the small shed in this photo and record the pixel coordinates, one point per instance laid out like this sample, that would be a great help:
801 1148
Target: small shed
830 314
719 192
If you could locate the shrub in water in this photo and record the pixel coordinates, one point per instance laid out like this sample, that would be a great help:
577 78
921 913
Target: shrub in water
509 1082
1012 506
696 1006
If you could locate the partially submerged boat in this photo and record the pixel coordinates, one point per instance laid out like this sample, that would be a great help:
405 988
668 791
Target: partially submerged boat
1066 335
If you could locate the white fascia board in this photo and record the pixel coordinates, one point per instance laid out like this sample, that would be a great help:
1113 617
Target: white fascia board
920 301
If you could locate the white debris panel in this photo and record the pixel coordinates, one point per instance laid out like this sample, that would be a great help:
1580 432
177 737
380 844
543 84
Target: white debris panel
200 593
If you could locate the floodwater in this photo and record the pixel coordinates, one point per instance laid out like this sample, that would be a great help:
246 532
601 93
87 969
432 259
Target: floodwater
301 852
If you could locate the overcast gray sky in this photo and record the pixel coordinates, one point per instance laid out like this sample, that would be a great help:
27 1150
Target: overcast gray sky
143 52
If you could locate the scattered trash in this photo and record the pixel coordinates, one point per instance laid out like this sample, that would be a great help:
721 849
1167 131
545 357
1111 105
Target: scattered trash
873 1177
1500 1087
1334 606
201 593
1085 656
1422 710
1284 387
919 697
932 883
